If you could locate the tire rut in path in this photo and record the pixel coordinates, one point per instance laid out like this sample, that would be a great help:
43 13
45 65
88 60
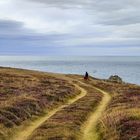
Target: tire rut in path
27 131
89 127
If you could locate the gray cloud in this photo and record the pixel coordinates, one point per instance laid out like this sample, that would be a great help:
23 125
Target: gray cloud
98 5
70 25
13 33
11 28
108 12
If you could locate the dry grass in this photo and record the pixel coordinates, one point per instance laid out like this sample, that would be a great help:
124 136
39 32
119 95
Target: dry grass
25 94
121 120
66 124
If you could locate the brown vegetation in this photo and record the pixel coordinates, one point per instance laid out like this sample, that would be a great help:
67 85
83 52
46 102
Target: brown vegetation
25 95
66 124
121 120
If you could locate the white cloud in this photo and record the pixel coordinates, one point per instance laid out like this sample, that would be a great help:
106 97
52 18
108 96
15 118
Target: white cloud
84 22
41 18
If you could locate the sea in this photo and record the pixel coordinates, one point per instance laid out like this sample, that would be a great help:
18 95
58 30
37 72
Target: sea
127 67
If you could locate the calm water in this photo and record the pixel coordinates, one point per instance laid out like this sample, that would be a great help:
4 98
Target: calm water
102 67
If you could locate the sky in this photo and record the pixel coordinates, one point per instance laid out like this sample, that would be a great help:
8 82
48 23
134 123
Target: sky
70 27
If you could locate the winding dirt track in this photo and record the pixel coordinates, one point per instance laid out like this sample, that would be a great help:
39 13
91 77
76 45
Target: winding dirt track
24 134
89 127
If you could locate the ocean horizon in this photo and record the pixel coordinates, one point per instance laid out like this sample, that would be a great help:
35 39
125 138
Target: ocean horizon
127 67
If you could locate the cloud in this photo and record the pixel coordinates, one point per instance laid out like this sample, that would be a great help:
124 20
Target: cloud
70 24
120 12
40 18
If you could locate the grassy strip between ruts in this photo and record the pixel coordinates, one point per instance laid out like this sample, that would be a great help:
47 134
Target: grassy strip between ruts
66 124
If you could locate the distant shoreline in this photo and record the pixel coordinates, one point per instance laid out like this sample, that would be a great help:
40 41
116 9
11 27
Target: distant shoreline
102 67
52 73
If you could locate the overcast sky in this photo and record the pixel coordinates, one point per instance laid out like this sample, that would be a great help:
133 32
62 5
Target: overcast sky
70 27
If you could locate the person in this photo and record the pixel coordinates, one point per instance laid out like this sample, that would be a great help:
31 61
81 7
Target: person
86 76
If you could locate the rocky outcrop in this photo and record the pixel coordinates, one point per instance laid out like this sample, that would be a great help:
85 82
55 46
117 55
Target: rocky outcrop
115 78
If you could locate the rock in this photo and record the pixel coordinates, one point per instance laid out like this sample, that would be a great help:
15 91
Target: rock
115 78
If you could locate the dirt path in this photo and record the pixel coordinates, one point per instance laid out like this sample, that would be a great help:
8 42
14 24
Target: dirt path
27 131
89 128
